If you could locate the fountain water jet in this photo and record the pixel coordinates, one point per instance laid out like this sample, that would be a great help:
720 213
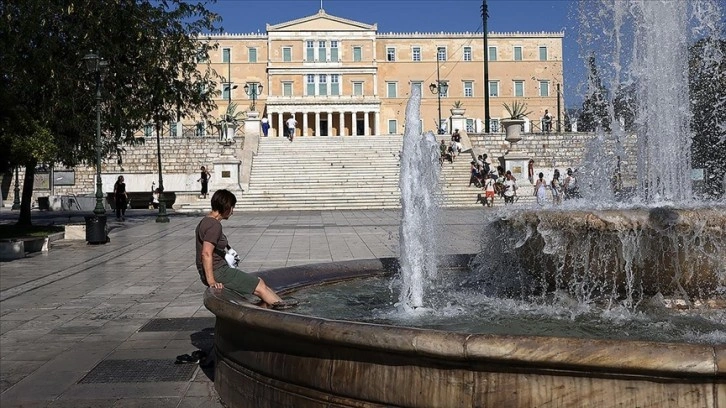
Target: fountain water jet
418 182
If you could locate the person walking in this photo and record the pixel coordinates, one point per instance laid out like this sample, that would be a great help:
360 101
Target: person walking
510 188
212 246
556 187
265 126
120 198
204 178
540 190
547 121
291 125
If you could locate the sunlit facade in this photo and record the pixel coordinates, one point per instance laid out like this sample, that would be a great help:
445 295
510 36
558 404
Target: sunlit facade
340 77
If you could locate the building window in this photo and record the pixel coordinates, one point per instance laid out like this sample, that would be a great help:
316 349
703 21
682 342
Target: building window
417 85
199 130
334 51
470 126
311 85
321 51
286 54
148 130
492 53
357 88
468 89
390 54
543 53
518 88
517 53
467 53
172 129
544 88
202 55
392 88
226 54
322 84
310 51
252 54
225 92
357 54
392 126
441 53
287 89
416 54
335 84
493 88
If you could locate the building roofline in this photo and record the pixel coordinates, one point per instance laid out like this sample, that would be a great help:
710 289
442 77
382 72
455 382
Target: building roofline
321 13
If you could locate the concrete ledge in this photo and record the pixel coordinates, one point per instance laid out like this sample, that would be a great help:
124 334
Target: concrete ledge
75 231
12 249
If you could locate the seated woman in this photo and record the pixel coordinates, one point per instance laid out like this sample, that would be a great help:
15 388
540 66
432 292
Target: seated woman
211 246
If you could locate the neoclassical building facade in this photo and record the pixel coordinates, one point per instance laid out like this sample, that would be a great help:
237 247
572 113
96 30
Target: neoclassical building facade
339 77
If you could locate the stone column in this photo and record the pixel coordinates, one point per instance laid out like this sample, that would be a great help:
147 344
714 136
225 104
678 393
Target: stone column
377 124
305 124
280 125
366 132
342 123
317 123
354 123
330 123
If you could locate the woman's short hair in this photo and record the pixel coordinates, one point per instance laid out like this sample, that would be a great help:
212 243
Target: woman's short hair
223 200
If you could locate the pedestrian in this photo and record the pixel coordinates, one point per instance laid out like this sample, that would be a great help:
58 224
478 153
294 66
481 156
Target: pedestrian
570 188
547 121
556 187
265 126
204 179
456 140
540 190
442 152
510 188
530 171
120 198
212 247
291 125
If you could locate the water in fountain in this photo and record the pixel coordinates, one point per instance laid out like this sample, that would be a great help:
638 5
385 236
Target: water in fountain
418 182
643 51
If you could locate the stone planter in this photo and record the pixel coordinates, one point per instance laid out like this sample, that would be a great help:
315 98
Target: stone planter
457 111
513 129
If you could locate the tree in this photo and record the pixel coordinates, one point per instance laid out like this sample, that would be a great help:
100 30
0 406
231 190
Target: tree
707 77
594 108
152 49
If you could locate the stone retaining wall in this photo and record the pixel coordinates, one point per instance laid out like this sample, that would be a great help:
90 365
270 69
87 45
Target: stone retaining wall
180 161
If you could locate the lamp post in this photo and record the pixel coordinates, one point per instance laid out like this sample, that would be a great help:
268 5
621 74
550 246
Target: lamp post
16 199
97 66
485 18
253 89
440 87
161 216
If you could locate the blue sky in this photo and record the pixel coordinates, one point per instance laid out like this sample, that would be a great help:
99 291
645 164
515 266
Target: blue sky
245 16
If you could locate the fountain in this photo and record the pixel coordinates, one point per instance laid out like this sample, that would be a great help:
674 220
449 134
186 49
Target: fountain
661 254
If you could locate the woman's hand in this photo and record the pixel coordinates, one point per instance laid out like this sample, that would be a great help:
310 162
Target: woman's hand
217 285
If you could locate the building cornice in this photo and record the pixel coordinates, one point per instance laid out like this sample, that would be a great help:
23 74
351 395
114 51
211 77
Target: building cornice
469 34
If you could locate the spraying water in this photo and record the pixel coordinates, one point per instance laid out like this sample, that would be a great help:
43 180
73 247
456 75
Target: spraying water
418 183
642 51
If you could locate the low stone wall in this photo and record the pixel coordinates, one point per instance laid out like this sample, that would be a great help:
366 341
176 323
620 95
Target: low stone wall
180 161
555 150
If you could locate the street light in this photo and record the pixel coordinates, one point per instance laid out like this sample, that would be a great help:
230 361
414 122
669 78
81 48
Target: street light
16 199
253 89
230 87
440 87
97 66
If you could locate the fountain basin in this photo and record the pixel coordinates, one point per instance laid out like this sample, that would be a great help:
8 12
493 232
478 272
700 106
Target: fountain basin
267 358
679 252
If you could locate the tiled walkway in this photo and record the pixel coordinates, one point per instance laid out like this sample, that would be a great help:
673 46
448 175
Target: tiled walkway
83 325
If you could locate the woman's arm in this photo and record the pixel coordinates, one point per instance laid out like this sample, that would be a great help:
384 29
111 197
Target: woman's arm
208 265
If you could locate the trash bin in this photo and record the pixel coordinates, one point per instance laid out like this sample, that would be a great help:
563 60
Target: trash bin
96 229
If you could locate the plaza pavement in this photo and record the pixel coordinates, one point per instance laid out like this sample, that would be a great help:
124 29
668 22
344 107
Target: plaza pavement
101 325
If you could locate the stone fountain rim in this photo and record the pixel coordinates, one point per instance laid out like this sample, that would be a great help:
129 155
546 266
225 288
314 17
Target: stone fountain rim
632 357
